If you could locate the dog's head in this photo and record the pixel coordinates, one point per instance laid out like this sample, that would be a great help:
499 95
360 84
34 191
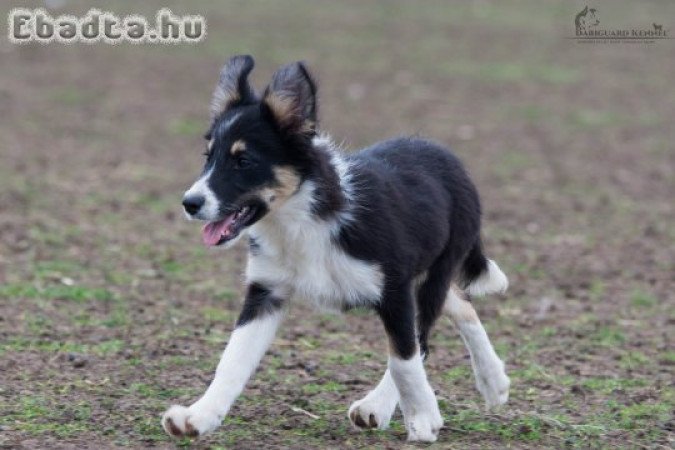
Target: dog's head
258 149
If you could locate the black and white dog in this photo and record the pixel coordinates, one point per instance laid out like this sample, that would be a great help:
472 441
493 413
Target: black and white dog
394 228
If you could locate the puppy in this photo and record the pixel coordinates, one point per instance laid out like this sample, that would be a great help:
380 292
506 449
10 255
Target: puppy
394 228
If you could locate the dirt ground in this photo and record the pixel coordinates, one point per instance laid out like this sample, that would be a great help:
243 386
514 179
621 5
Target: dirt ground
111 309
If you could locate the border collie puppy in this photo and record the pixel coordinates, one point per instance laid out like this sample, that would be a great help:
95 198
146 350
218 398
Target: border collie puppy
394 228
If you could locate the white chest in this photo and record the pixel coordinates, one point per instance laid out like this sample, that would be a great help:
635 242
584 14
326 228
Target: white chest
299 258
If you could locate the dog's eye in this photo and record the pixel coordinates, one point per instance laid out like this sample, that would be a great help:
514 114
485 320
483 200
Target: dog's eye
243 163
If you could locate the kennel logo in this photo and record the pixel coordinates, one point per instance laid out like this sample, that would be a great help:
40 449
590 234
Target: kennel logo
37 25
588 29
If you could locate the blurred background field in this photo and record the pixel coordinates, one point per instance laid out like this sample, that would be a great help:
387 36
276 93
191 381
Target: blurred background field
111 309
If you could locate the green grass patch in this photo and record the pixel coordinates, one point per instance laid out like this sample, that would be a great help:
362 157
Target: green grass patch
668 356
118 317
633 360
36 323
103 348
157 204
532 372
150 428
226 294
639 415
218 315
597 289
642 299
55 292
457 374
35 415
608 336
507 72
187 127
146 390
70 95
317 388
171 267
548 331
521 428
340 357
587 118
53 236
511 163
604 385
57 267
532 113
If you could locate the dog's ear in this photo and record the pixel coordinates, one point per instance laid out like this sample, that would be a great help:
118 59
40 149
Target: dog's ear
585 10
291 99
233 88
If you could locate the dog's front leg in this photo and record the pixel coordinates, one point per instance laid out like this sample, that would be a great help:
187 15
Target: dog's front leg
254 332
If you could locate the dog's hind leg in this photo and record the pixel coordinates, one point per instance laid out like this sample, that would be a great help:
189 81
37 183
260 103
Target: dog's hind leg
430 297
376 408
488 369
418 402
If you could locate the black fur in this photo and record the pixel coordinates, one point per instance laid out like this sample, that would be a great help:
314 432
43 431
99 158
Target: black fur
421 216
397 311
259 301
233 88
329 197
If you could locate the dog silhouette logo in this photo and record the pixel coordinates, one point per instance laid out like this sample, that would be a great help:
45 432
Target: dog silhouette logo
586 20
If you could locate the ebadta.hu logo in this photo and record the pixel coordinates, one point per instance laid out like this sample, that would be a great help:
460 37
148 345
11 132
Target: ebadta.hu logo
37 25
589 29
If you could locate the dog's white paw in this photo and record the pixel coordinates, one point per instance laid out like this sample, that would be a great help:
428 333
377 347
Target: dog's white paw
424 425
373 411
494 384
181 421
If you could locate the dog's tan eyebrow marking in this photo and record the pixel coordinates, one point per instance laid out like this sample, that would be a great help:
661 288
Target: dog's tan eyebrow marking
237 147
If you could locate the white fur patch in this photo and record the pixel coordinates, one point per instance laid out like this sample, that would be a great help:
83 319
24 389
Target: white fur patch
421 415
490 282
297 251
248 343
491 379
211 207
376 408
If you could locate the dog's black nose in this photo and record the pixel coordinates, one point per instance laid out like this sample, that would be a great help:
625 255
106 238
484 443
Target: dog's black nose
193 203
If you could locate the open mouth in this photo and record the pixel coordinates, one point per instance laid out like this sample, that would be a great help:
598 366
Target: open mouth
220 231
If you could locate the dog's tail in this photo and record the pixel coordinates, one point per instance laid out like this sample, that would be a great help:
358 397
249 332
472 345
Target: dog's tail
482 276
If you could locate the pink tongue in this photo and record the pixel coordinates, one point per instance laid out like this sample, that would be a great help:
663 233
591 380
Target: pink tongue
214 231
